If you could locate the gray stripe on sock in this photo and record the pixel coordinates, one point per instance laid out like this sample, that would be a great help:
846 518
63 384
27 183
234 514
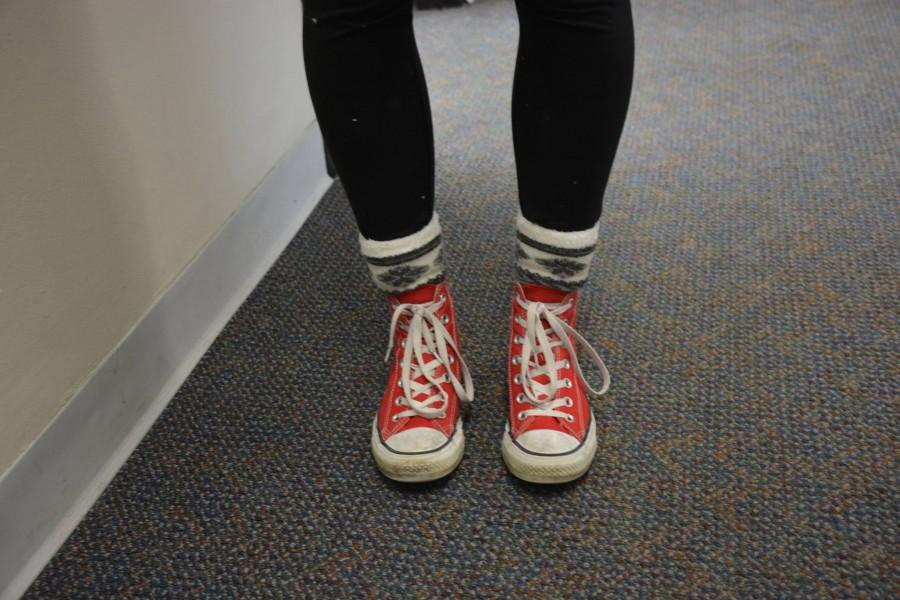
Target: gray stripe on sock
389 261
573 252
436 279
559 284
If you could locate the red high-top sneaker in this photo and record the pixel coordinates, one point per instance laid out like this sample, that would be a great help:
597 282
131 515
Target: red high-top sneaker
550 436
417 434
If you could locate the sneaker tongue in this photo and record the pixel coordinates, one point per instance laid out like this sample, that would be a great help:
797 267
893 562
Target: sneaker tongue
419 295
540 293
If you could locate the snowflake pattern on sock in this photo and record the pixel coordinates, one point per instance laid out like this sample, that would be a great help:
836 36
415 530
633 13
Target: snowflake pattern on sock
402 276
558 259
405 263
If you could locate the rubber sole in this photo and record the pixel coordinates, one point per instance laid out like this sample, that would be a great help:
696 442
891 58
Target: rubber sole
559 468
426 466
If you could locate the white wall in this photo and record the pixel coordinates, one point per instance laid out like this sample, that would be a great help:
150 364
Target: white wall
130 130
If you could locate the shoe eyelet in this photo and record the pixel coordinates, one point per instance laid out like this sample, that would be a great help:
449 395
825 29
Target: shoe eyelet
521 416
516 360
442 414
570 418
398 400
445 319
518 379
395 418
568 364
517 340
567 382
569 402
441 297
451 359
520 398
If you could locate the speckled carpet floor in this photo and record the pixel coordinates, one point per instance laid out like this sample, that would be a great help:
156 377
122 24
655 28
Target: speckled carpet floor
745 298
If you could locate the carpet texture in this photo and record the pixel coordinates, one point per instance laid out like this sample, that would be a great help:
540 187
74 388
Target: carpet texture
745 297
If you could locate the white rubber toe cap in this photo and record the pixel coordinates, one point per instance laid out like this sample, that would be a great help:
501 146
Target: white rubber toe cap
417 439
547 441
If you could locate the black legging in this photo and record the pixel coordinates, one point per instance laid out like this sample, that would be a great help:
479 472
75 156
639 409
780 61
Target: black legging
570 95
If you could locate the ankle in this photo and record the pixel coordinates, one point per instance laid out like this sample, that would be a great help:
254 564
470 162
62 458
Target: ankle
406 263
558 260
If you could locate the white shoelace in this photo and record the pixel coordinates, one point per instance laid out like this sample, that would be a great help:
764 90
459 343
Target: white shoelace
540 342
427 335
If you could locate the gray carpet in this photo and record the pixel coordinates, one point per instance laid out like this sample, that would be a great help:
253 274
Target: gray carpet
745 298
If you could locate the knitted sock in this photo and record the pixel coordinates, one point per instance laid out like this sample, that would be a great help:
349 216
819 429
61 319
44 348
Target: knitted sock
408 262
556 259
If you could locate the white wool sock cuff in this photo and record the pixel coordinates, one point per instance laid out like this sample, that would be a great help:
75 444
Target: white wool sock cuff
408 262
557 259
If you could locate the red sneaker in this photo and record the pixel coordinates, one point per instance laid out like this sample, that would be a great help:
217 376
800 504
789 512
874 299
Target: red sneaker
417 434
550 436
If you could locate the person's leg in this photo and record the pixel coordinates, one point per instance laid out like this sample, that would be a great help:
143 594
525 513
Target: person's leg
369 95
570 96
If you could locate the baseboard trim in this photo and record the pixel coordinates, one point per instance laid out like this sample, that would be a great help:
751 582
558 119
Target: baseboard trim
50 488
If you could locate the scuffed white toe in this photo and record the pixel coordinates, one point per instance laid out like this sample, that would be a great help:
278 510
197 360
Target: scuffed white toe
418 454
549 456
547 441
417 439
